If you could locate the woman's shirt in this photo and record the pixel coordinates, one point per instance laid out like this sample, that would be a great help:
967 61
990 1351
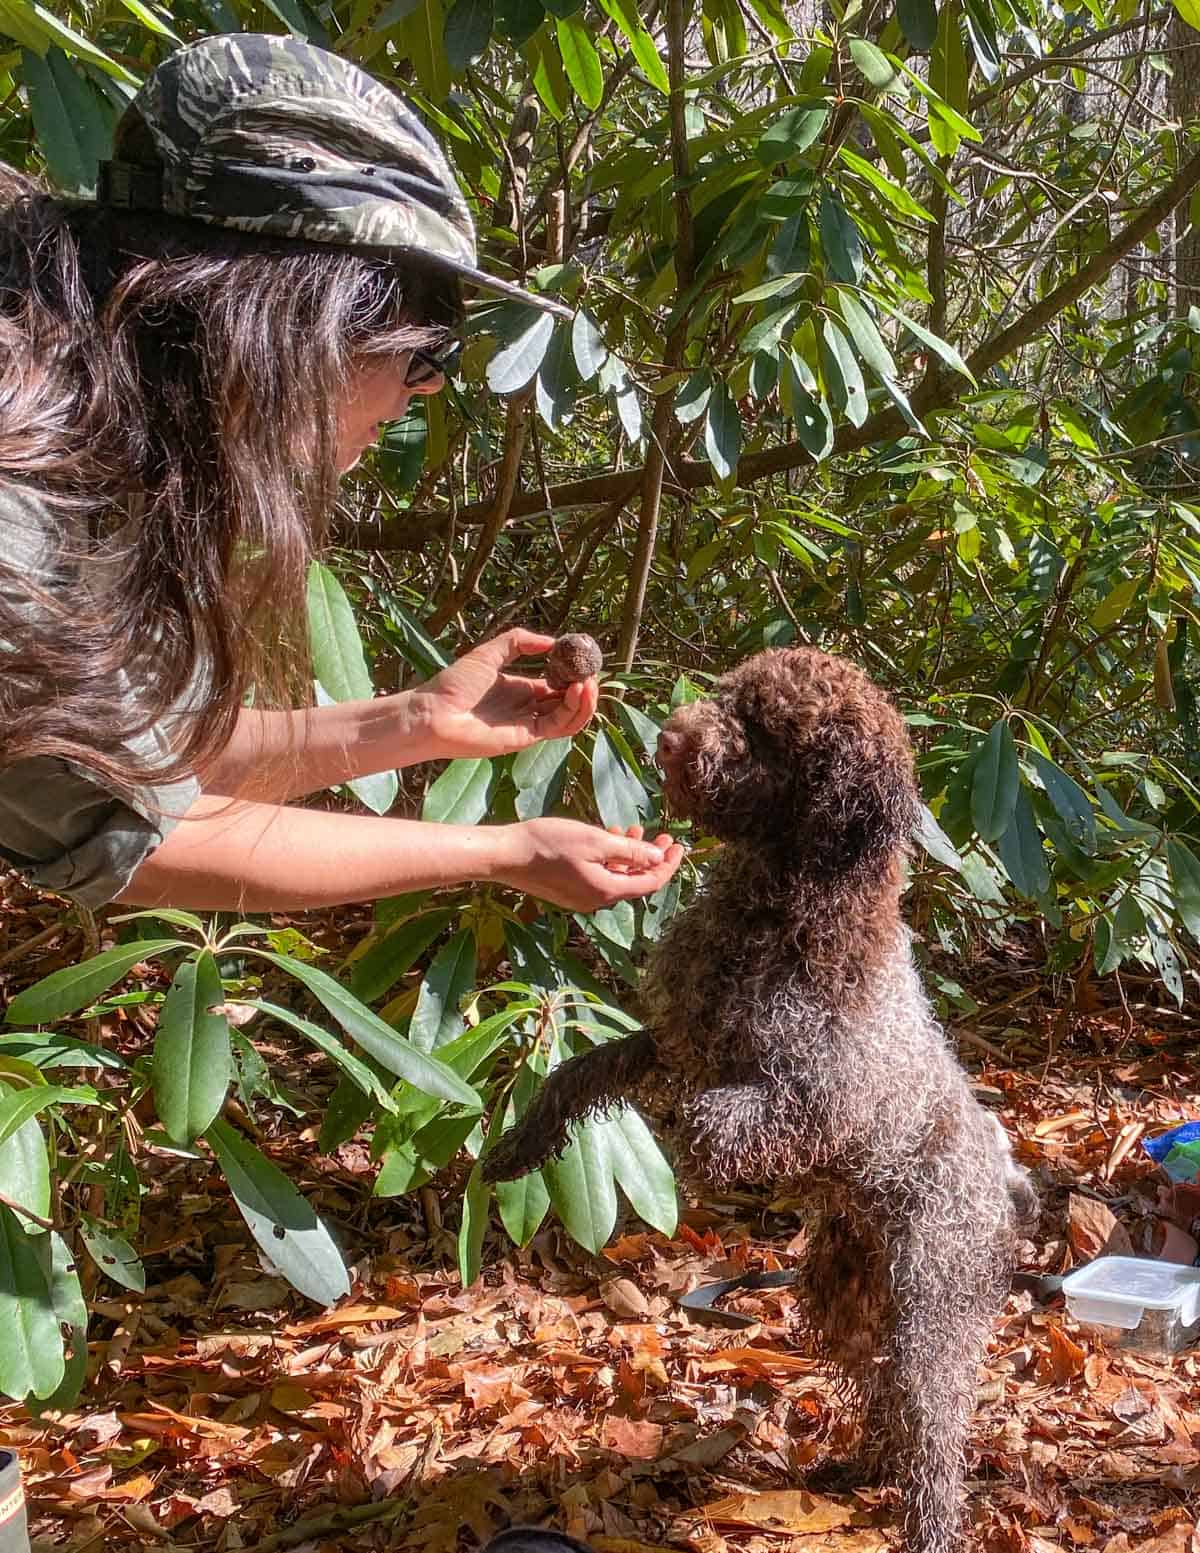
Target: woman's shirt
61 826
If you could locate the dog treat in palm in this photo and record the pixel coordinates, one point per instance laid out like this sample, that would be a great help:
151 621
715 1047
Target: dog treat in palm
571 659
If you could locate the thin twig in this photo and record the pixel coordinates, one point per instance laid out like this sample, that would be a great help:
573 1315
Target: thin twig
7 1202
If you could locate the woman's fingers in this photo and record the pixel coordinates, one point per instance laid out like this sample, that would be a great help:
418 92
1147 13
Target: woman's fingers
630 880
510 645
575 707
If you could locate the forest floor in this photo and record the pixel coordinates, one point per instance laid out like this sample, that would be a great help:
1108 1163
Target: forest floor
225 1413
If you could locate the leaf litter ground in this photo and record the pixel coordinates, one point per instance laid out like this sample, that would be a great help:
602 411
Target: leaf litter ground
564 1389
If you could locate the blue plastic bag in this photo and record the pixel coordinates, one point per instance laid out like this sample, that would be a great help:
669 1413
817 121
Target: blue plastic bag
1177 1151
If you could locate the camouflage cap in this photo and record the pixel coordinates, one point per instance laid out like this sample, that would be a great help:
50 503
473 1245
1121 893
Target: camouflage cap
274 136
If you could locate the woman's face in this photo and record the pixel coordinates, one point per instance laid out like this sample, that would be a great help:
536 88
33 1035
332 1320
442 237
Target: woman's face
375 395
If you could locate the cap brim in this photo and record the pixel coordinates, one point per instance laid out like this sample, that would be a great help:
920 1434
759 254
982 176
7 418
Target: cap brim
507 289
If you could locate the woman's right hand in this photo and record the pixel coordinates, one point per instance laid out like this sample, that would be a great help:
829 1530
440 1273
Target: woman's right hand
581 867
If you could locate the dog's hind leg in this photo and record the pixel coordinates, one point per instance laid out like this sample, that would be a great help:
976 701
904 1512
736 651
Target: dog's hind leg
946 1275
591 1082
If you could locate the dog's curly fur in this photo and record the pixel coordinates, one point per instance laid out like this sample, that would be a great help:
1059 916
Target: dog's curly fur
787 1039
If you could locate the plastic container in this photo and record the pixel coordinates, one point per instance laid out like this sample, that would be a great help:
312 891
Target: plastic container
1151 1307
14 1533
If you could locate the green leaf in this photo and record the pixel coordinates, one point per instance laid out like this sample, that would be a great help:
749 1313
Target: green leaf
357 1071
936 842
345 1112
382 966
814 424
192 1060
723 432
70 1308
419 36
436 1018
66 991
461 794
791 134
74 123
518 20
900 399
1190 11
982 33
523 1205
840 240
620 796
1115 604
873 63
514 365
375 1037
545 67
38 28
17 1106
843 374
467 33
918 22
641 44
337 651
641 1170
588 345
538 773
995 783
32 1363
558 382
581 1188
25 1166
1021 850
477 1199
935 343
691 401
114 1256
629 411
1069 799
281 1221
867 339
1185 876
580 60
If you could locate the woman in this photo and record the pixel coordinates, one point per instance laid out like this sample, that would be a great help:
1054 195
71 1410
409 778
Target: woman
271 271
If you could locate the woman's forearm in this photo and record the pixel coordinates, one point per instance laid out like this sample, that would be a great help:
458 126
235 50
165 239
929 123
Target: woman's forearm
232 855
274 756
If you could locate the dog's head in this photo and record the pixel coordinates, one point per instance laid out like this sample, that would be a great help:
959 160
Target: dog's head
799 754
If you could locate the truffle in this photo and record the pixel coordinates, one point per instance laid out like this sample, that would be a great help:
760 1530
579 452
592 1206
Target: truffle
571 659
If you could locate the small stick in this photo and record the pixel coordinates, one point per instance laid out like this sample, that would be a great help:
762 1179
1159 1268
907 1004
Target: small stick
16 1207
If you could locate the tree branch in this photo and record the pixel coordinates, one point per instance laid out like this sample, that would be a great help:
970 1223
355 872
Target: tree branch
515 425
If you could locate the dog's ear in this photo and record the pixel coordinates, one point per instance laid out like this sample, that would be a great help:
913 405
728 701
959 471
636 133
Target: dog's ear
854 797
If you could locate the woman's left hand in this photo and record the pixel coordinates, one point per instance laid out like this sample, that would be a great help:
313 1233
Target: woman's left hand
474 708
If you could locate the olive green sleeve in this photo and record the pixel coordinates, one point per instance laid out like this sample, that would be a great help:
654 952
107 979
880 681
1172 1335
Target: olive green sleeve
70 835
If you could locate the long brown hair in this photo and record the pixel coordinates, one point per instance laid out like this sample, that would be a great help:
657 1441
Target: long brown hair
171 391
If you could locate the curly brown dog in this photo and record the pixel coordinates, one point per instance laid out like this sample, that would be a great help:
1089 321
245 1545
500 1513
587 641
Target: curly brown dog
787 1038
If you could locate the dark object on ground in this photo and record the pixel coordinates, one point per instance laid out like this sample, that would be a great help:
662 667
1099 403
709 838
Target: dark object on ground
532 1539
788 1039
14 1531
571 659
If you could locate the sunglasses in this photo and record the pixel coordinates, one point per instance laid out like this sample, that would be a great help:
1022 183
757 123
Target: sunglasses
424 366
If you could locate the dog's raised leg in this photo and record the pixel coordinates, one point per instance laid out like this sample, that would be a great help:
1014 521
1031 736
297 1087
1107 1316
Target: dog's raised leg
593 1081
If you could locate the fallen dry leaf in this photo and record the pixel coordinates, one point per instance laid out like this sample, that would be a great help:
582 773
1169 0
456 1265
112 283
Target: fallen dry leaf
792 1510
636 1438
